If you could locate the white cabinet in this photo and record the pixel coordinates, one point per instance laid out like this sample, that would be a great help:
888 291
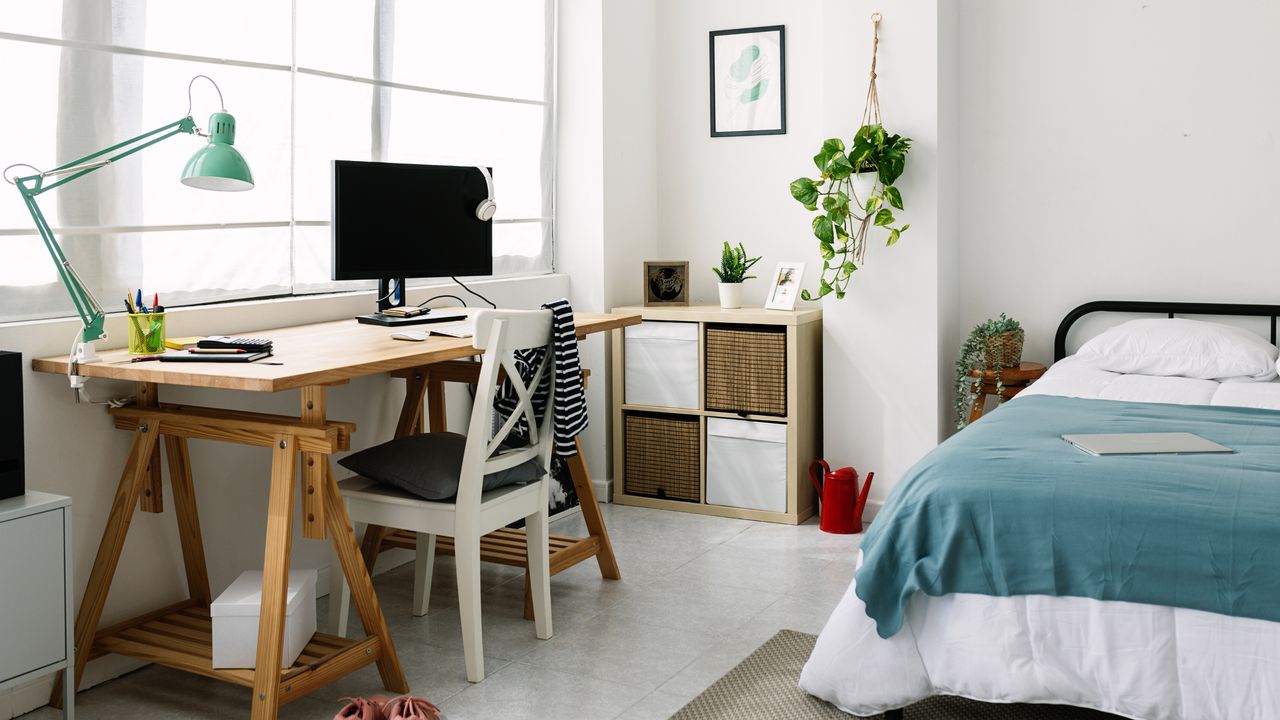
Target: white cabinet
36 621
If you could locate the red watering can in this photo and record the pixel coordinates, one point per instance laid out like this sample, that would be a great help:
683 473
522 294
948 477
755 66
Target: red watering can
842 505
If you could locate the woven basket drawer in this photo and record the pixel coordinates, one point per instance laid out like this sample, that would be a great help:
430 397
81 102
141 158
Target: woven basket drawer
662 458
746 369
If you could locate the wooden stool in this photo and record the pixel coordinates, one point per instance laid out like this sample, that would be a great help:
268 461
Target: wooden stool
1015 379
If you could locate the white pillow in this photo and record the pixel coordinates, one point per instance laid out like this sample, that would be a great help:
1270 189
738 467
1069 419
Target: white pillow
1174 347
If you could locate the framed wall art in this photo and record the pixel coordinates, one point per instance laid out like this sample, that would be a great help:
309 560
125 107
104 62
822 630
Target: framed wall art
749 82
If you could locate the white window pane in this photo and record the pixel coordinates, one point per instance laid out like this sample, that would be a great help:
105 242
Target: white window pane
251 30
494 47
521 248
29 126
333 124
27 262
192 266
448 130
336 36
24 17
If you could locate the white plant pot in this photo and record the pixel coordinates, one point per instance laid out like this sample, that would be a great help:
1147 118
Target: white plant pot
864 183
730 295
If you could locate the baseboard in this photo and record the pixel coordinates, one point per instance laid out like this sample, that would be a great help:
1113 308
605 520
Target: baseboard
35 694
604 489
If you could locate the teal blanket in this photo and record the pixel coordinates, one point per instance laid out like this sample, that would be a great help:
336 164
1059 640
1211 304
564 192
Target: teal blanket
1007 507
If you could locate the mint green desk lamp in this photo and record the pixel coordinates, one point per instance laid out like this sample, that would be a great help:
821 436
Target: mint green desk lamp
216 166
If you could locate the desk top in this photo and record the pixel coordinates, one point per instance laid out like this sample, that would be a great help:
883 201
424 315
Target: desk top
318 354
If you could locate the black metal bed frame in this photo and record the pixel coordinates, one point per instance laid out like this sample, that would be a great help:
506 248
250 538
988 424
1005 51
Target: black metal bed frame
1160 308
1157 308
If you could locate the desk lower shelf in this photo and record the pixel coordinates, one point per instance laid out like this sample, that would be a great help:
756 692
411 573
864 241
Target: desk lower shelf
181 637
507 547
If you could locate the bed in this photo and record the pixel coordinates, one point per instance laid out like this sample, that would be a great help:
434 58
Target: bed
1154 594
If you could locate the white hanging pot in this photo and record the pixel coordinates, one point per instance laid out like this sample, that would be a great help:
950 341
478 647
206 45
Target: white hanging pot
730 295
864 183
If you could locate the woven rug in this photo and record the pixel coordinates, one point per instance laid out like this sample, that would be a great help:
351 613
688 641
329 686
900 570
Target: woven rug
763 687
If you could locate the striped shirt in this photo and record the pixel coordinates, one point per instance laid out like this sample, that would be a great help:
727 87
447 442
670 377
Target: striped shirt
569 410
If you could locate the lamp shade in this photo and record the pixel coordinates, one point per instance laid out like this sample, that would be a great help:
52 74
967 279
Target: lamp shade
218 165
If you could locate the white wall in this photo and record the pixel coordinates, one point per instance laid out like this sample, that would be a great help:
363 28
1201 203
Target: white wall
72 449
732 188
882 353
606 205
1116 150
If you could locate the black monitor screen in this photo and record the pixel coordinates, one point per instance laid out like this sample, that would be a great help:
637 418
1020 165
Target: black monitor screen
392 220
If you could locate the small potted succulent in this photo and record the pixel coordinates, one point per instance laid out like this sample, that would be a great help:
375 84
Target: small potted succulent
992 346
732 272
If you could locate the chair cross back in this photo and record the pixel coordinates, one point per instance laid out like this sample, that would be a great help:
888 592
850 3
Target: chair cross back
500 334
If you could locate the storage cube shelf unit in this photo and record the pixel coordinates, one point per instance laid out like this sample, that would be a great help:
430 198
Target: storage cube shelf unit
718 411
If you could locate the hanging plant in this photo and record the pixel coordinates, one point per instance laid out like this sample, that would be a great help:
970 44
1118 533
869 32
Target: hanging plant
854 192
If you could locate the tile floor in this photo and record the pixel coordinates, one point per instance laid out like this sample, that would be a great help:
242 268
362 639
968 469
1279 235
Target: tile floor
698 595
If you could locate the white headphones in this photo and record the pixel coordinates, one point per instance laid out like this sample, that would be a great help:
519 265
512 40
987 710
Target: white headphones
487 207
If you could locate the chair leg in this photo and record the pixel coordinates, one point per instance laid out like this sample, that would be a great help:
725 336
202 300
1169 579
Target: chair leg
466 556
537 539
340 594
423 566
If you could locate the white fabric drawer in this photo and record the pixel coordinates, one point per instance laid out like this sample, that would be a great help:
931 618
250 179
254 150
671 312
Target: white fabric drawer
661 364
747 464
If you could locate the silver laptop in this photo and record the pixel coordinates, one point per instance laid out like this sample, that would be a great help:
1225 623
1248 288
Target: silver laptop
1161 443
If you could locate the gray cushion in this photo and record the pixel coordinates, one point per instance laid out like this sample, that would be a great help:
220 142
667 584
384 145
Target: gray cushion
428 465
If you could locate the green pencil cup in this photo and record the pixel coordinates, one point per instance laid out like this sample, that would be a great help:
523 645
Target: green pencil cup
146 333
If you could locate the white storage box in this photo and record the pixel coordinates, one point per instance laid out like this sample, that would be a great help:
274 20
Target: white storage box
747 464
235 619
661 364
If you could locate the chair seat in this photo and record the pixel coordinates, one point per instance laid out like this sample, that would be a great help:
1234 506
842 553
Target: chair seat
364 488
373 502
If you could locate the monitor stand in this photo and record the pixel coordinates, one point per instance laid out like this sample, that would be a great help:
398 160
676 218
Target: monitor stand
386 302
432 316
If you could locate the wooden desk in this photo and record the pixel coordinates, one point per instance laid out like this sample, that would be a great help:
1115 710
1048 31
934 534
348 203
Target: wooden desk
314 357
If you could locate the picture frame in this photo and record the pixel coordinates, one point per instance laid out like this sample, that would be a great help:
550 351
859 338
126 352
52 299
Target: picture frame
748 81
666 282
784 286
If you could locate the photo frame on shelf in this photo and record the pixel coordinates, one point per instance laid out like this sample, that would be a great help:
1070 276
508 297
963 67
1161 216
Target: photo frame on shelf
666 282
784 286
749 81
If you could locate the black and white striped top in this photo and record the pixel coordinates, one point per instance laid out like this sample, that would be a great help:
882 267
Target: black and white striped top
570 409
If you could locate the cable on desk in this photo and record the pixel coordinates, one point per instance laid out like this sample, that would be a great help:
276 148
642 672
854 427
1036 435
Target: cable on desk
473 292
437 297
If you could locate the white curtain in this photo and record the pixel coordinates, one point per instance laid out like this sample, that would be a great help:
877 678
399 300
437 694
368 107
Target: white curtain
459 83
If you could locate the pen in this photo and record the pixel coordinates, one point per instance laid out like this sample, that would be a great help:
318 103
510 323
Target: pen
138 303
155 301
216 351
148 358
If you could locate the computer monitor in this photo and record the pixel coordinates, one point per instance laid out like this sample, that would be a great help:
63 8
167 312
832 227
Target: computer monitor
393 221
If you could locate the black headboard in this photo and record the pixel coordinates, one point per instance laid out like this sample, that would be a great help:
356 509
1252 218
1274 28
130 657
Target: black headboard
1159 308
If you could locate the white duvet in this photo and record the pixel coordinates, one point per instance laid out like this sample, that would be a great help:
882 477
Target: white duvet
1140 661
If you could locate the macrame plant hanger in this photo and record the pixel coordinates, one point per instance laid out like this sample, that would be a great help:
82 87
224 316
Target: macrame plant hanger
870 116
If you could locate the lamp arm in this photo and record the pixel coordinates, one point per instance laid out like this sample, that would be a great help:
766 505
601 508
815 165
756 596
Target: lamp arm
87 306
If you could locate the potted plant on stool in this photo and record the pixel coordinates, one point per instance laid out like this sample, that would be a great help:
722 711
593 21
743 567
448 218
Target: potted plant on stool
734 265
992 346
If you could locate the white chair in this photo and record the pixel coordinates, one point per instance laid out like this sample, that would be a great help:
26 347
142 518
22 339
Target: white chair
473 512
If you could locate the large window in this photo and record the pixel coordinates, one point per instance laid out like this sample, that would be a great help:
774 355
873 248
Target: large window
309 81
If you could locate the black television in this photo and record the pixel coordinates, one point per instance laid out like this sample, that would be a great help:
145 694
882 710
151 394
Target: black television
393 221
